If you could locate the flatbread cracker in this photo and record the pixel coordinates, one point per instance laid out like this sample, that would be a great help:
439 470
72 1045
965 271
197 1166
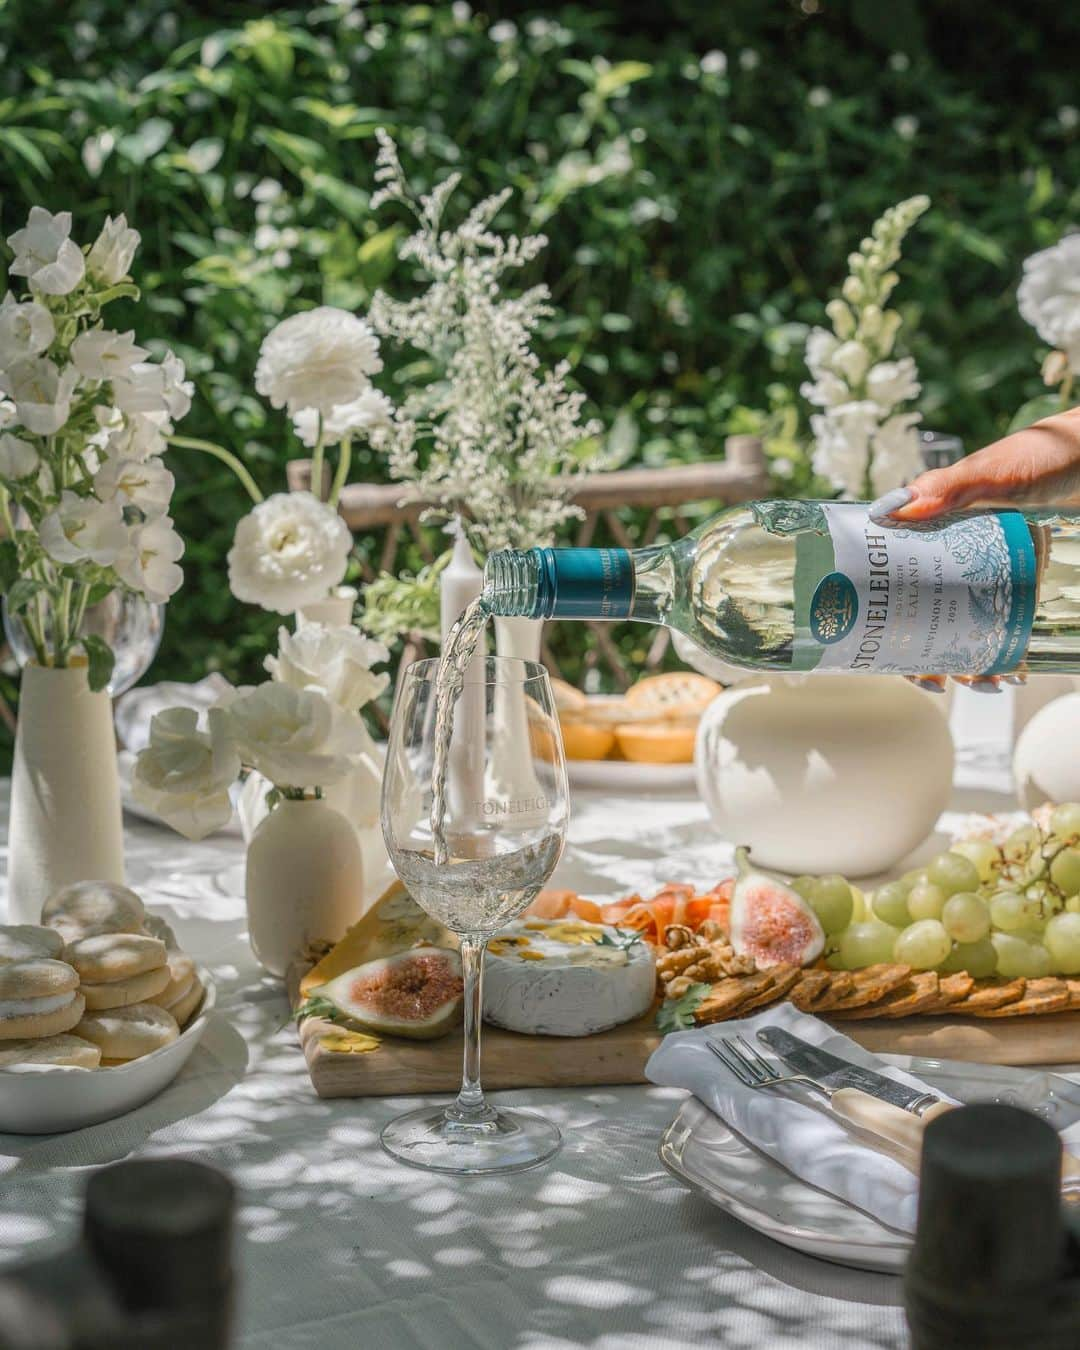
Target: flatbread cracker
1073 983
811 985
951 989
784 978
1045 995
872 983
840 982
727 996
989 994
916 993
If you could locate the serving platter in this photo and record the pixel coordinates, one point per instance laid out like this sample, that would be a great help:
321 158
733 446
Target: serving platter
629 776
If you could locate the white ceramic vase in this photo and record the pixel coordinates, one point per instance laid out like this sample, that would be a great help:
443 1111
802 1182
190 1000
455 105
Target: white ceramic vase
335 611
305 881
1046 765
65 823
825 773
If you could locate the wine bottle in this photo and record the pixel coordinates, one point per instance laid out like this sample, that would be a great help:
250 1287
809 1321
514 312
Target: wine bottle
804 586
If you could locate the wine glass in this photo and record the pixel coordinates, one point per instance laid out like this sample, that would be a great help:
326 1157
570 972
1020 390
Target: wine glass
506 809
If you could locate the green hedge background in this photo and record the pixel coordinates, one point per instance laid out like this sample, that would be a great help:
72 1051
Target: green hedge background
702 175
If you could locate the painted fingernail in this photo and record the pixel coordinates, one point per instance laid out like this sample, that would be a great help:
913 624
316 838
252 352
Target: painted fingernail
890 502
1014 679
930 683
985 684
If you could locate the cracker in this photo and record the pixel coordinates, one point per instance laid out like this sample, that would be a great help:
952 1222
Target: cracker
1073 983
951 989
1045 995
913 996
872 983
989 994
810 985
728 996
784 978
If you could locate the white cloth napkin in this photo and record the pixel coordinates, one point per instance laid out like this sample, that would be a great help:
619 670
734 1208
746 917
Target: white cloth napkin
805 1139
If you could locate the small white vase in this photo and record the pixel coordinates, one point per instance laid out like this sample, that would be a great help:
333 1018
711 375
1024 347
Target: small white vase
825 773
335 611
1046 766
65 823
305 881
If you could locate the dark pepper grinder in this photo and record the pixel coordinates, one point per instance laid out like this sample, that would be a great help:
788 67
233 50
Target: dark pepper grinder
993 1264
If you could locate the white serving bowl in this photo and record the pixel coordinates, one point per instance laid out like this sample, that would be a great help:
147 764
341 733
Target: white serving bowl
48 1098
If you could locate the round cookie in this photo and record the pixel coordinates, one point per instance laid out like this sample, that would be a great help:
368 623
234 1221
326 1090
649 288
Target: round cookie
20 1020
115 956
23 941
38 977
129 1033
187 1003
121 993
181 978
59 1050
86 908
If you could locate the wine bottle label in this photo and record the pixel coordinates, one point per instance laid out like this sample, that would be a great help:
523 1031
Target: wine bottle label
953 596
586 583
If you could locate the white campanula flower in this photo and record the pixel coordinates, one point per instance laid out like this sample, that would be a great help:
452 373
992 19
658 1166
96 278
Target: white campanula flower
99 354
109 260
364 414
138 435
145 484
18 458
183 775
141 389
41 393
318 359
288 551
896 453
176 390
51 262
82 528
1049 296
336 661
296 738
26 329
148 562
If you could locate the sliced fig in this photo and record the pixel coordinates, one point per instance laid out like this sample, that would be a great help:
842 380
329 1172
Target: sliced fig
416 993
771 922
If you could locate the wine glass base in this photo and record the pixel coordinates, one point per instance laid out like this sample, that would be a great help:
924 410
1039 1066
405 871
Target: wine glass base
510 1142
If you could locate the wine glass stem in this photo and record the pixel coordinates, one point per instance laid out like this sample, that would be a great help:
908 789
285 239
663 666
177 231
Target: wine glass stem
470 1108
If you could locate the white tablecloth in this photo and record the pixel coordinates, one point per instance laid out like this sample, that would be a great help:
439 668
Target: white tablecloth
339 1246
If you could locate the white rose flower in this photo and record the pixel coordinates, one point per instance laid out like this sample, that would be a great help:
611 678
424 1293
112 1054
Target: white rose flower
26 329
370 410
1049 296
109 261
83 528
51 262
337 661
148 561
184 775
18 458
294 737
99 354
41 393
146 484
288 551
892 382
318 359
139 435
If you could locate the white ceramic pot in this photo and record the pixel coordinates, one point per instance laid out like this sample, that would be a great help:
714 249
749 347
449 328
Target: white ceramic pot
1046 763
825 773
65 822
305 881
335 611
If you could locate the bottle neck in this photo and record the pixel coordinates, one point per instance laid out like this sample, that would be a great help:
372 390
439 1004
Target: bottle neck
561 583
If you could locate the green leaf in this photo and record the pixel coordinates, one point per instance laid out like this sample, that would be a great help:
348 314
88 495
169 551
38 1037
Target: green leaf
317 1007
378 254
144 143
620 75
9 565
101 660
25 148
22 592
1034 410
677 1014
295 152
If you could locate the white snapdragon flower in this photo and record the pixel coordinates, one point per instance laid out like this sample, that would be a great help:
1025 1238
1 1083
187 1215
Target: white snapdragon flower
318 359
26 329
41 393
183 775
109 260
99 354
897 455
851 360
842 443
1049 296
145 484
366 412
336 661
296 738
51 262
148 562
892 382
82 528
288 551
18 458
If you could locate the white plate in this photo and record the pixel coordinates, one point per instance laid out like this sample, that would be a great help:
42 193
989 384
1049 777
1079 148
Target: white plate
626 776
47 1098
702 1151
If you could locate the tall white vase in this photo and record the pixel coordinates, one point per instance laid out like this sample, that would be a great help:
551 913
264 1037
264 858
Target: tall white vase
305 881
519 637
65 823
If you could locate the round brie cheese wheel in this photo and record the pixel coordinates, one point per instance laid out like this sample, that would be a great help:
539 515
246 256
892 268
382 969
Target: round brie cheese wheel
565 977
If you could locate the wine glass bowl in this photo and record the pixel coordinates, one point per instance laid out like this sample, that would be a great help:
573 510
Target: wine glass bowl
500 837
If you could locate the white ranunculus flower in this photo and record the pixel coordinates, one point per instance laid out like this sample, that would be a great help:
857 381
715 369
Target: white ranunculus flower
371 409
892 382
288 551
51 262
99 354
184 774
26 329
1049 296
109 260
84 528
148 562
337 661
18 458
139 435
146 484
318 359
294 737
41 393
897 456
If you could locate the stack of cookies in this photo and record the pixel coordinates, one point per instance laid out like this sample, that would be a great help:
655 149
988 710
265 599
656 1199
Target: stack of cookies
40 1001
